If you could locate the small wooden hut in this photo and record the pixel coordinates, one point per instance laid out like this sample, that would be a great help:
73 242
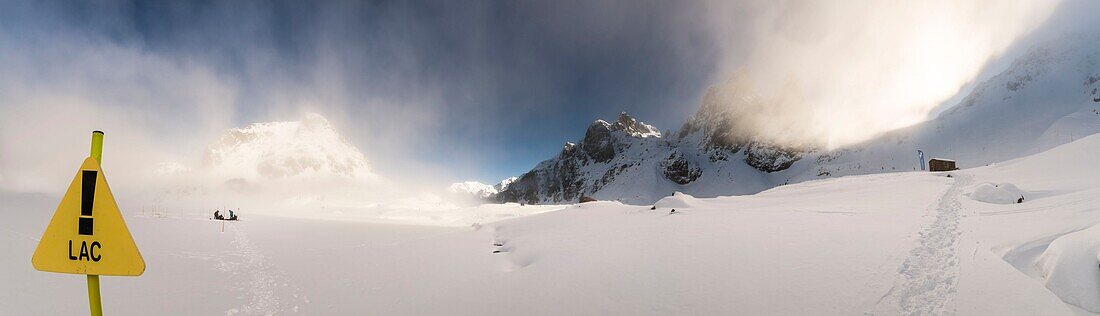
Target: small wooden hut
940 164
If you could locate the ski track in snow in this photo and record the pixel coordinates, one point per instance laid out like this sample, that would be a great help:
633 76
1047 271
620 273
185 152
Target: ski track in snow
927 280
262 281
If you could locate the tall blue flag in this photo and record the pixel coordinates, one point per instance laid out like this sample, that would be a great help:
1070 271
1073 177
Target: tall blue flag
920 155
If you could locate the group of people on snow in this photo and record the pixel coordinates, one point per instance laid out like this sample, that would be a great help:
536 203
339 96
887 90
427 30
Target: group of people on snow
219 216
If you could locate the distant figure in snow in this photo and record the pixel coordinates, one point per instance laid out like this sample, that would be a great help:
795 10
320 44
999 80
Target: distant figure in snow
672 212
217 216
1021 200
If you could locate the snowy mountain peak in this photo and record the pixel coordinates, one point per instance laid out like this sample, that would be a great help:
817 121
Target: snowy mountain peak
503 185
308 148
603 140
479 190
633 127
473 188
568 146
631 161
1047 97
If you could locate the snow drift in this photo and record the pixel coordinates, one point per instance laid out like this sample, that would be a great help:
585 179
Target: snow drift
882 244
1001 193
677 200
1071 268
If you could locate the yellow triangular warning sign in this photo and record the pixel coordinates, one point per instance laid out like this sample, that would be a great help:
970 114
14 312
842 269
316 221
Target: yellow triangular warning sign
87 234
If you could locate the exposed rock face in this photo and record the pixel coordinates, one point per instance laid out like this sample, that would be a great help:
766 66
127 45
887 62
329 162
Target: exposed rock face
554 179
771 158
1046 98
680 170
581 169
714 129
633 128
715 120
597 142
613 158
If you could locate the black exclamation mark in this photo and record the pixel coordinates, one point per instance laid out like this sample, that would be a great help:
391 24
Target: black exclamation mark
87 197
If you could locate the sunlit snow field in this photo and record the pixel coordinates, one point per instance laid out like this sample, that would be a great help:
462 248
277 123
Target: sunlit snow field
913 242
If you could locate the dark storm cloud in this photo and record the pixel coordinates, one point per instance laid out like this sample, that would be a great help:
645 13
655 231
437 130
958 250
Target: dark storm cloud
468 89
546 57
447 90
522 77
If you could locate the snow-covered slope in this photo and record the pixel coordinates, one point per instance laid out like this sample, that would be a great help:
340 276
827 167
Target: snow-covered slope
308 148
1046 98
1049 96
913 243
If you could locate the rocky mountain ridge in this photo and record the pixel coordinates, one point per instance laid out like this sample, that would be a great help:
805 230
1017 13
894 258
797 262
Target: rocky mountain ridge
1046 98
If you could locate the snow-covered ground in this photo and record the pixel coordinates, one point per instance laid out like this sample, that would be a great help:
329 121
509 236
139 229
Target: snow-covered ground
896 243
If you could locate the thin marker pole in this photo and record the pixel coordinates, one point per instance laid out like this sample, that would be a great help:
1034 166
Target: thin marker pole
97 146
93 295
94 300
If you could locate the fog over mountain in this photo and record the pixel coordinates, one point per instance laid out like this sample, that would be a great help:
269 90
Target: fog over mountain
852 69
486 157
464 82
1047 97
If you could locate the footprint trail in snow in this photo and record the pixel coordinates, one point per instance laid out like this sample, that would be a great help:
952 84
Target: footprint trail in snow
262 284
927 280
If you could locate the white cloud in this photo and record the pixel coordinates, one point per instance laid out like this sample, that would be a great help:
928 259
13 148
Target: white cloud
60 87
865 66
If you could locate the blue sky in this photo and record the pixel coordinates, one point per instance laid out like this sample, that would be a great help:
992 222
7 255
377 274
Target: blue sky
467 90
505 83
